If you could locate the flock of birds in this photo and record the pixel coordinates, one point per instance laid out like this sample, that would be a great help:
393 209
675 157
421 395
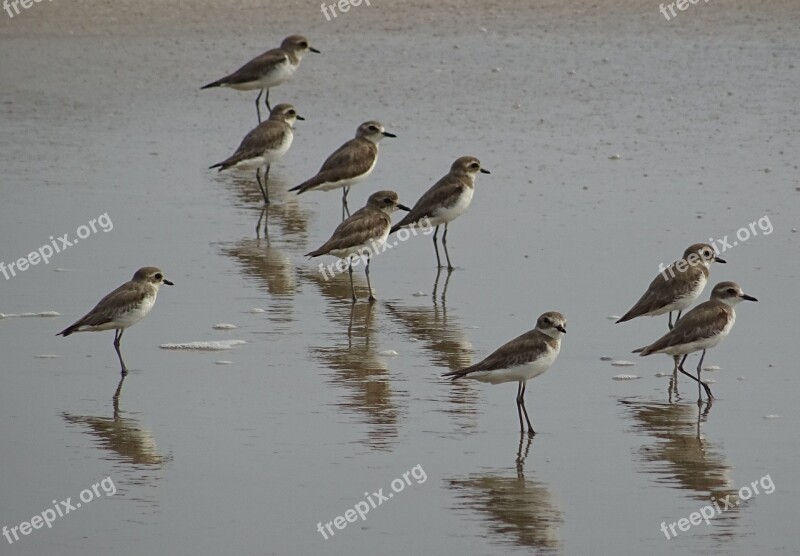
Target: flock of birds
359 236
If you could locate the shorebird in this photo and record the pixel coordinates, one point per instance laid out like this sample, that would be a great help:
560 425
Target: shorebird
122 308
361 236
677 286
270 69
702 328
523 358
349 164
445 201
264 144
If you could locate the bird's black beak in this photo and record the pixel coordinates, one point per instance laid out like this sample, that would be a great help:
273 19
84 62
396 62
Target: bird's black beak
387 134
717 259
403 207
167 282
748 297
562 329
312 49
298 117
484 171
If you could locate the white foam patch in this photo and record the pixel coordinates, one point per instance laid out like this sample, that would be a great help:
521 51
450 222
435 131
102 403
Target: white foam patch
418 294
661 375
613 317
255 311
712 368
388 353
219 345
46 356
224 326
22 315
622 363
625 377
223 362
772 416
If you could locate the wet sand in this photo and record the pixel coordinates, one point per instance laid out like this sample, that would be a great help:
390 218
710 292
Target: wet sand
615 139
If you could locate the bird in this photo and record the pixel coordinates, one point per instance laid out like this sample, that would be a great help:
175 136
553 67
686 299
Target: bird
362 235
676 286
702 328
523 358
267 70
122 308
349 164
445 201
264 144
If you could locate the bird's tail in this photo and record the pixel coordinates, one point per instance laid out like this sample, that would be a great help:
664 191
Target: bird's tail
217 83
69 330
455 375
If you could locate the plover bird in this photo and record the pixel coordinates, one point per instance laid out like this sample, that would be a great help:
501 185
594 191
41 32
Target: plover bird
264 144
270 69
523 358
677 286
702 328
124 307
445 201
349 164
361 235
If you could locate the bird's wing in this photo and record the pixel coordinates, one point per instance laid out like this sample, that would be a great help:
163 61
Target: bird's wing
704 321
443 193
359 229
523 349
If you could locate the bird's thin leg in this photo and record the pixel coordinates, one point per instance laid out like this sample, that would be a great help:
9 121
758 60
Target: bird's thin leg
117 338
436 247
345 208
117 394
352 286
369 285
531 432
446 254
699 382
519 406
670 321
695 378
266 102
263 188
258 107
678 316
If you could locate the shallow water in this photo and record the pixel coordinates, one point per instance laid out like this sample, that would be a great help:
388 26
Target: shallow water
246 450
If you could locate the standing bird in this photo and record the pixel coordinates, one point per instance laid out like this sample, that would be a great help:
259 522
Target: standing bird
362 234
445 201
264 144
124 307
270 69
523 358
349 164
700 329
677 286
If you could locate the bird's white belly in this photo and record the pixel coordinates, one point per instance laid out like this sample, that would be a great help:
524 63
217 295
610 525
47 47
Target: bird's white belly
274 77
698 345
274 154
347 182
684 302
444 215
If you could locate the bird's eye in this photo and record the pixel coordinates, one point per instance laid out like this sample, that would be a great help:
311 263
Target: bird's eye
291 112
303 45
732 291
373 128
158 276
475 165
388 201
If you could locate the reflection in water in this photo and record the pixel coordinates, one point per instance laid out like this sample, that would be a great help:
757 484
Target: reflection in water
518 511
123 438
256 258
284 213
353 357
442 337
681 457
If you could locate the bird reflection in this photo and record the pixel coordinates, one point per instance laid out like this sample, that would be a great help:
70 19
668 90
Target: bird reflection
125 440
681 457
284 212
518 511
356 367
266 264
442 337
